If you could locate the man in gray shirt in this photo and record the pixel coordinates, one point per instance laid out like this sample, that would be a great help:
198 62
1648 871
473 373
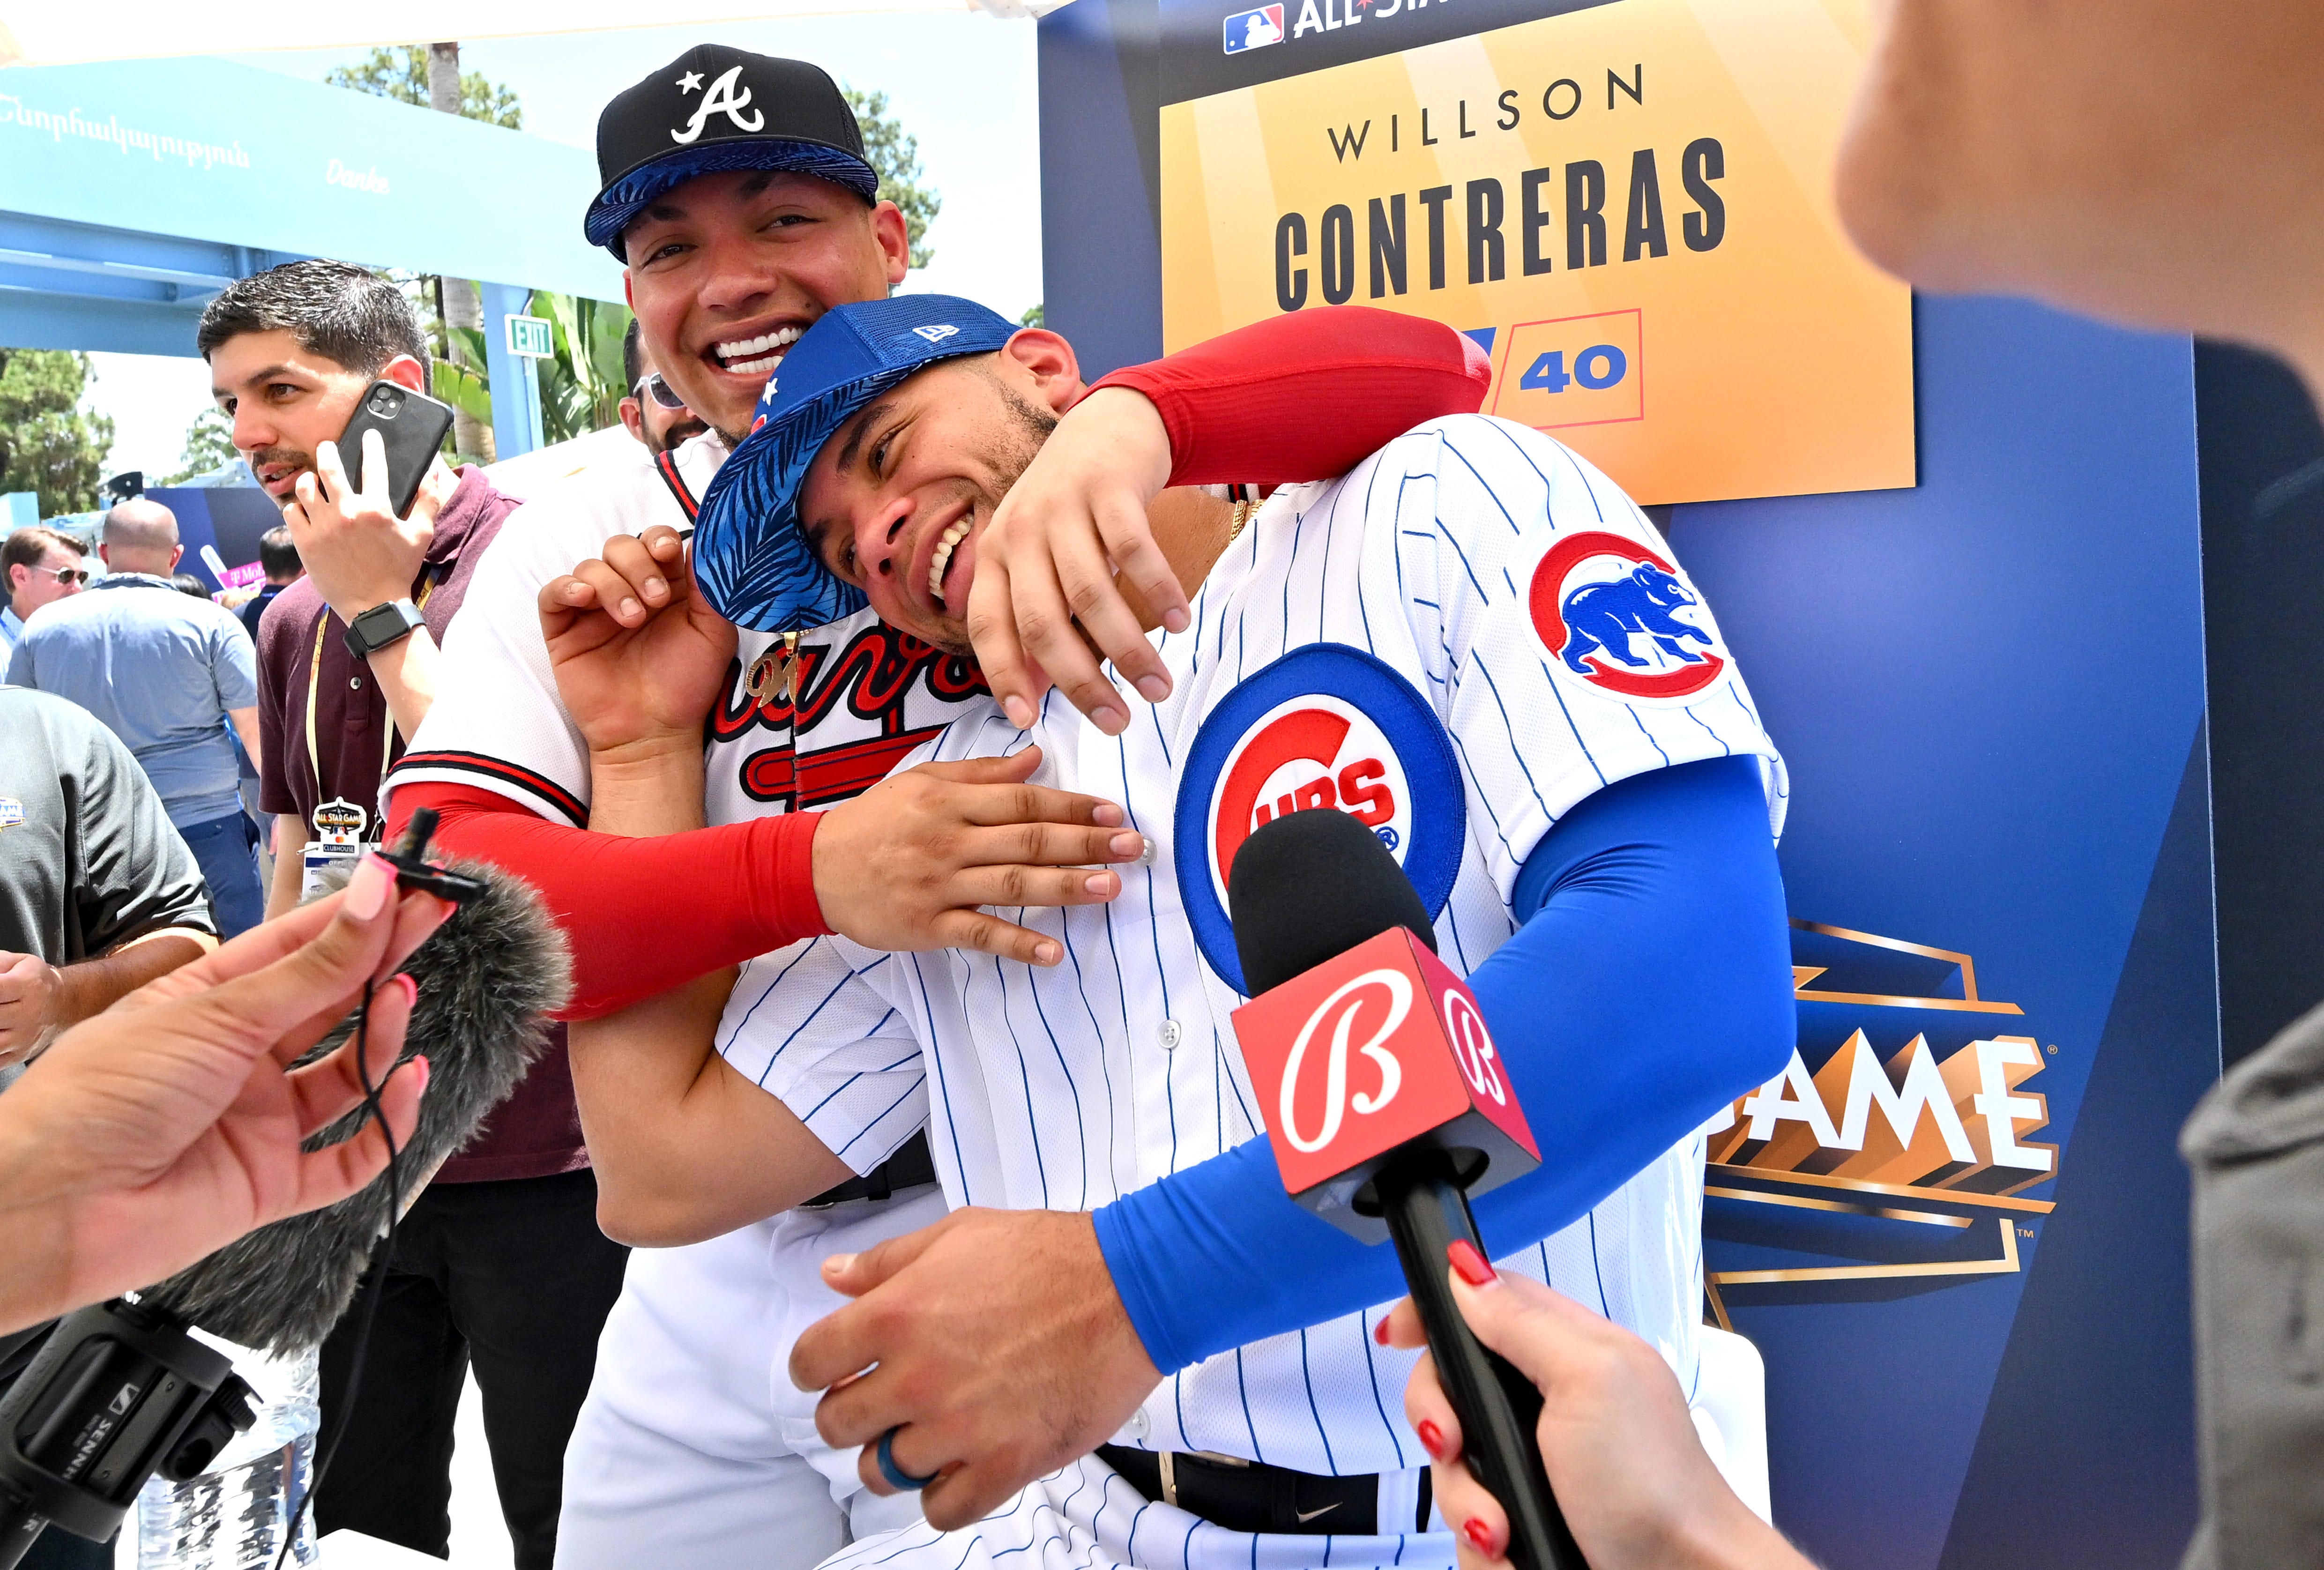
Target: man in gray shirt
98 896
166 673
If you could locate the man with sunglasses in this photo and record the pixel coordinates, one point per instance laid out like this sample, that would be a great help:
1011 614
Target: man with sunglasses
40 564
654 412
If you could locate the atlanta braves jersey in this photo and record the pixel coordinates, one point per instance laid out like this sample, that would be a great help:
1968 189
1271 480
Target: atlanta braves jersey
680 1451
1455 642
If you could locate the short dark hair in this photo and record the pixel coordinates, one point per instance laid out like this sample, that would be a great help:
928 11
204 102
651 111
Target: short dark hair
349 315
632 353
26 545
277 556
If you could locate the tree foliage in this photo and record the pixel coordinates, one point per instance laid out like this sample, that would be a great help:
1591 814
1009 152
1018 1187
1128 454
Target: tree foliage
401 74
581 387
48 442
894 155
1036 315
209 445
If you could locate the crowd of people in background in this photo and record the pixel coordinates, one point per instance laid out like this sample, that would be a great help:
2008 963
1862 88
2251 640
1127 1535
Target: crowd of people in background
179 746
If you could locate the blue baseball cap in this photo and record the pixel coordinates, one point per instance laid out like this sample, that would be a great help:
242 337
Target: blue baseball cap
751 558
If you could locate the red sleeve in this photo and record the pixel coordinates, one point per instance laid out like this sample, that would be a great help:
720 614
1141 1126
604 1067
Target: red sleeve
1305 396
641 915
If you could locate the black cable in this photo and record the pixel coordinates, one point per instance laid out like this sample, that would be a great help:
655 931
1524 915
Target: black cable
374 1288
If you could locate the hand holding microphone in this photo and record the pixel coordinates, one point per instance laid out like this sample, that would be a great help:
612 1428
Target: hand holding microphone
170 1124
1615 1433
1386 1107
143 1172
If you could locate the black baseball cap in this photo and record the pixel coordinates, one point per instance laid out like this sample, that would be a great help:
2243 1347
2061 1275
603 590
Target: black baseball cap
713 109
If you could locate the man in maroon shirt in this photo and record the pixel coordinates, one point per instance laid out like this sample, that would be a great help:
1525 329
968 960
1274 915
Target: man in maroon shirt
501 1262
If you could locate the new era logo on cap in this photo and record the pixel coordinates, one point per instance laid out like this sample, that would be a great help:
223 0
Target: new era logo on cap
936 334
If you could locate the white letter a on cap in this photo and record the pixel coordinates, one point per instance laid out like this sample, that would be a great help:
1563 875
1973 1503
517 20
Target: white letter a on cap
721 100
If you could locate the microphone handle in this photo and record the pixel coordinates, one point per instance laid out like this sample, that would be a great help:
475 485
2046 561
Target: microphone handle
1499 1409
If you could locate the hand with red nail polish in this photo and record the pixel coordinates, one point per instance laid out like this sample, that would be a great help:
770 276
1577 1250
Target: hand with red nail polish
1470 1265
1637 1487
162 1129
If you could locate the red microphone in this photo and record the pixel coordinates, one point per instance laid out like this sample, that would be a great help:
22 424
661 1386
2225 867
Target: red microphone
1386 1106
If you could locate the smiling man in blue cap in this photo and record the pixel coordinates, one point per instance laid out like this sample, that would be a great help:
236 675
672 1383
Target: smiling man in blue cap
1126 1341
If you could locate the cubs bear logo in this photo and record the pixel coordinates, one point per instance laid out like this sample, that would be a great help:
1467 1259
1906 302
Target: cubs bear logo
1326 727
1614 612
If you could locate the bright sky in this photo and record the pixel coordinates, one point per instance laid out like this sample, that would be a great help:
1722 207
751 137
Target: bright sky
964 85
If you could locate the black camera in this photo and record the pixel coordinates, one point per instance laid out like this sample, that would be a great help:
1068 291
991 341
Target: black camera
386 400
116 1393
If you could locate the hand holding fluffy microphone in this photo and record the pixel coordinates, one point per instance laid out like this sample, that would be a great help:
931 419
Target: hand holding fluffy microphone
1638 1490
171 1124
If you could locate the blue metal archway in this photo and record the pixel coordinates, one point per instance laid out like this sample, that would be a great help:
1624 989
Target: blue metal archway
132 193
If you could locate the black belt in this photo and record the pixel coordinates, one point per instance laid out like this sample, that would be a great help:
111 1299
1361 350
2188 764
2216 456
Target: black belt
1250 1496
911 1167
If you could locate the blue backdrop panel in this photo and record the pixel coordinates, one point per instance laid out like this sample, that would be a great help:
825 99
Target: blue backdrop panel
229 518
1990 690
1990 693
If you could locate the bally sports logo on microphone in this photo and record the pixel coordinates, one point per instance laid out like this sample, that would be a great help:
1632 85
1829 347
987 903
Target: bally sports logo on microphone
1380 1048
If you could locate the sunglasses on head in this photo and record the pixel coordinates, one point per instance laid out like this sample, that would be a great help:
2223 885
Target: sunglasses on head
651 385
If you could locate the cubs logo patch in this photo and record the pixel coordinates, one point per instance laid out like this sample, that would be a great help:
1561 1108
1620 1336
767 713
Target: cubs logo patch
1617 615
1326 727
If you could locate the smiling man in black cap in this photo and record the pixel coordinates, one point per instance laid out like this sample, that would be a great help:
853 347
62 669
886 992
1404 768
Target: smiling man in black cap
737 195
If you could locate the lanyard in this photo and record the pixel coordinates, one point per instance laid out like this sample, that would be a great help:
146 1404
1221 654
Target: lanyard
314 687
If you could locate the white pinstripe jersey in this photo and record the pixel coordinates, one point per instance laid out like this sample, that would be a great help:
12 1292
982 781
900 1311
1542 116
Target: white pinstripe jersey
1456 641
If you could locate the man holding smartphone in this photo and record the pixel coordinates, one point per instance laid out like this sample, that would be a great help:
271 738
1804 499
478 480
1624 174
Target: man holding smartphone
500 1263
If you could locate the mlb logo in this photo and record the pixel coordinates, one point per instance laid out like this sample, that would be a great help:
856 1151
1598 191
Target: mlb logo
1254 29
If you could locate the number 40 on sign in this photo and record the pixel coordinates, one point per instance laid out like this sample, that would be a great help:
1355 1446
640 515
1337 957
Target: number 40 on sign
1576 370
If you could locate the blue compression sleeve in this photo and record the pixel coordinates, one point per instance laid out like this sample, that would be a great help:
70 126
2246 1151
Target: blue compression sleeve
1649 985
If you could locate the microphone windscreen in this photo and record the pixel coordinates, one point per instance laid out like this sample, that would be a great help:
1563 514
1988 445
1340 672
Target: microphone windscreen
488 979
1307 887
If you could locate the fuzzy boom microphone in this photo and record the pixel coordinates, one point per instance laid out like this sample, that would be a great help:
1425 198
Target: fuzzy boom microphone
488 979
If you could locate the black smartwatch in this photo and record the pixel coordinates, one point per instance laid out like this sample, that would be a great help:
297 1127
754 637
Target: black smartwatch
381 625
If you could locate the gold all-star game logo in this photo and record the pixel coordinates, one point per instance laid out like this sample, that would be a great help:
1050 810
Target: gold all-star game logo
1902 1155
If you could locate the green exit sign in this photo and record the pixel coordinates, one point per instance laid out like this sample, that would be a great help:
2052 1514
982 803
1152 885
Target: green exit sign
529 337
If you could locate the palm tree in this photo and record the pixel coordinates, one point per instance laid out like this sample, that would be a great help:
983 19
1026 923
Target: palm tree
464 308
